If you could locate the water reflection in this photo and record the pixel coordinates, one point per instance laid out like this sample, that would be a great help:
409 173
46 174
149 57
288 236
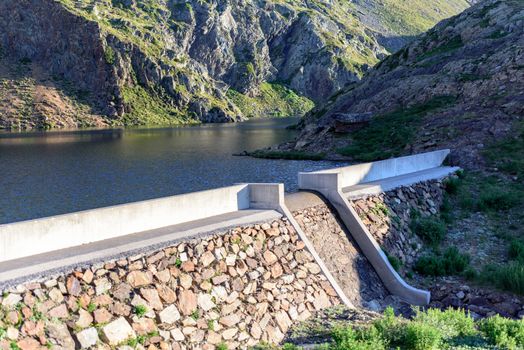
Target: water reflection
58 172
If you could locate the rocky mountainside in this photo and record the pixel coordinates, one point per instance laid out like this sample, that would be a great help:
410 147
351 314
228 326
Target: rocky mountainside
460 85
174 61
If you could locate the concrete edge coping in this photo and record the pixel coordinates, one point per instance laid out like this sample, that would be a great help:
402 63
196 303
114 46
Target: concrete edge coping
375 255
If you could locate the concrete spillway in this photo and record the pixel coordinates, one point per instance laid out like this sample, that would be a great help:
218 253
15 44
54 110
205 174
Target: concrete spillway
339 251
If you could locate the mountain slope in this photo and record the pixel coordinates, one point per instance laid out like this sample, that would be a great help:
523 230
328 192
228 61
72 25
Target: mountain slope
177 61
461 85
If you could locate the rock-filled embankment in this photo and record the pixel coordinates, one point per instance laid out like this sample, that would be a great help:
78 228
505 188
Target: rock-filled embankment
239 288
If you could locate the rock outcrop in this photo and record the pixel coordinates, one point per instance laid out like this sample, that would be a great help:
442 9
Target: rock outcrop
472 64
145 61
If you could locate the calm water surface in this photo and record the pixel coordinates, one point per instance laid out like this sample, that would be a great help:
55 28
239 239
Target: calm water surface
51 173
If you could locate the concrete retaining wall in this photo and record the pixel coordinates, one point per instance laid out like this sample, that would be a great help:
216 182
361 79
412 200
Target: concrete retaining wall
366 172
48 234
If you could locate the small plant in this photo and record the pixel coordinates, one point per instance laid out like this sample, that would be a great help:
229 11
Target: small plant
132 342
211 325
422 336
516 251
195 315
431 230
14 346
222 346
3 333
452 185
37 315
91 307
380 209
495 198
503 332
140 310
450 263
109 55
507 277
178 262
394 261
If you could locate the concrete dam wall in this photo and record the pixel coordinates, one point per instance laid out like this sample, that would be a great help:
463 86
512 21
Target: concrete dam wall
236 265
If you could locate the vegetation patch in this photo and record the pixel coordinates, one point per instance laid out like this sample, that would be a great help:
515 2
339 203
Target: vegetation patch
145 108
451 262
428 330
388 135
275 100
446 47
498 194
431 229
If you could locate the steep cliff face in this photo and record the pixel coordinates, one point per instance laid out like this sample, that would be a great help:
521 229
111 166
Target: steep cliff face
460 86
177 61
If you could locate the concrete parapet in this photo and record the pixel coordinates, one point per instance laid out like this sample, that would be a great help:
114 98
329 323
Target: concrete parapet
38 236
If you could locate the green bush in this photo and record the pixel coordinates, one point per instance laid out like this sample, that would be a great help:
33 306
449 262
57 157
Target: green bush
516 251
452 185
497 199
508 277
503 332
393 260
430 329
422 336
109 55
348 338
450 263
451 323
430 229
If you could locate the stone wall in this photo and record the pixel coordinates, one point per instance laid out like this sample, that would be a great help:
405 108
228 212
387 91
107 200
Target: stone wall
239 288
388 216
343 258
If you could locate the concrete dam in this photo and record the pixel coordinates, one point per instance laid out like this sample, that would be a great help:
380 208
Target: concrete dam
298 253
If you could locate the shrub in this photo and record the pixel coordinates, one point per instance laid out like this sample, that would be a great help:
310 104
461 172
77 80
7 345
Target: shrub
430 329
497 199
222 346
451 323
109 55
450 263
431 230
422 336
508 277
516 251
394 261
348 338
504 333
452 185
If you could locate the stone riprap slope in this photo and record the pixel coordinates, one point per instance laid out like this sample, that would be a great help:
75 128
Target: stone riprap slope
340 253
458 86
240 288
160 62
388 217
